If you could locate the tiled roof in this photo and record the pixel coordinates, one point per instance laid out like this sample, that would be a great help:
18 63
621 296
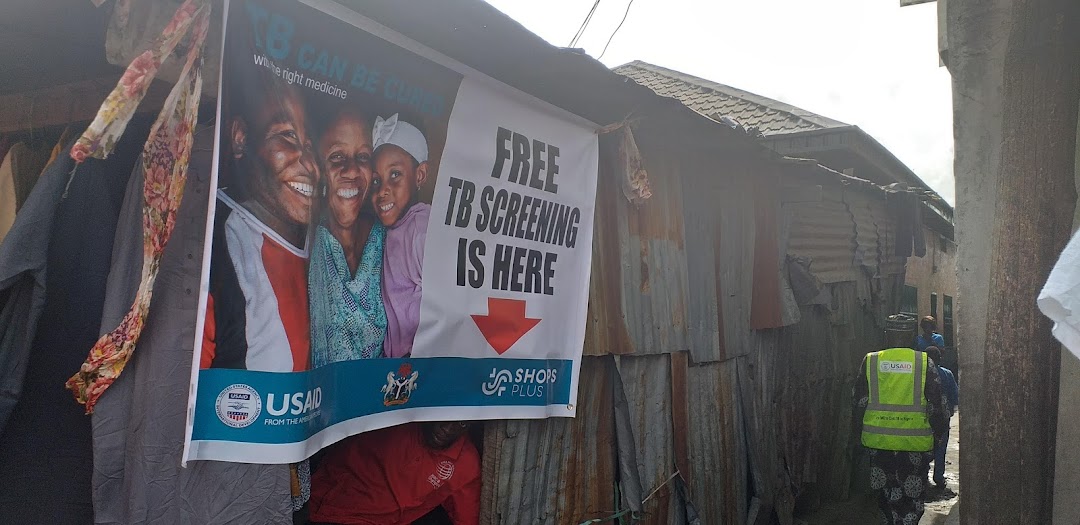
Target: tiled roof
716 100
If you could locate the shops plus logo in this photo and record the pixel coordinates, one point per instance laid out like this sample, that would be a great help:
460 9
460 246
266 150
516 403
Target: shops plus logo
523 382
495 386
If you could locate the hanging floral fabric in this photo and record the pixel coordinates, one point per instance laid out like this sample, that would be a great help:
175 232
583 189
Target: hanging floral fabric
115 113
164 161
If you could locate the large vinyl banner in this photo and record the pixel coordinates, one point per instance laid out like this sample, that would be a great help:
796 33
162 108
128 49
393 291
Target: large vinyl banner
394 237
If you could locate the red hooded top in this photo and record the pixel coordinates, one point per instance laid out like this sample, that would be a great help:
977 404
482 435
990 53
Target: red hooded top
389 477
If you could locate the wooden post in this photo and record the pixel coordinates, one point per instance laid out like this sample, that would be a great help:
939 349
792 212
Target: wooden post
1016 71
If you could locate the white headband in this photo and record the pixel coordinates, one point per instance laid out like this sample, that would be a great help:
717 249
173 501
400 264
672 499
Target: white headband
401 134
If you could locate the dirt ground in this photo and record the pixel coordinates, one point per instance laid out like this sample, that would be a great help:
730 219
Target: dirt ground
946 511
862 509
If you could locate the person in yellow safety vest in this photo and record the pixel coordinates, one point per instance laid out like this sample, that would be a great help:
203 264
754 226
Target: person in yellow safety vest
900 415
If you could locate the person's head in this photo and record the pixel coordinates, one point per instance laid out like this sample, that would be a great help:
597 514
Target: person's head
440 435
269 140
345 150
401 156
934 353
928 324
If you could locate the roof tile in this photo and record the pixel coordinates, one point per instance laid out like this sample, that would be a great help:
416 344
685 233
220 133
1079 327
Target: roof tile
707 97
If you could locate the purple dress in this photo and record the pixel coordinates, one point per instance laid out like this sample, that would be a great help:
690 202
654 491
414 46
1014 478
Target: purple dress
403 261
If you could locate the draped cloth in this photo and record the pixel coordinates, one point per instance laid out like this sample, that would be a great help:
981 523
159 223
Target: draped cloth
165 161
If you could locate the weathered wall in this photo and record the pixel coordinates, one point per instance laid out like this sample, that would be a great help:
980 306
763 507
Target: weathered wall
936 272
757 422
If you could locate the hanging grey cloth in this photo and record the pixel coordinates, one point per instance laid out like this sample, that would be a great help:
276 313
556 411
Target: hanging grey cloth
56 261
139 422
23 257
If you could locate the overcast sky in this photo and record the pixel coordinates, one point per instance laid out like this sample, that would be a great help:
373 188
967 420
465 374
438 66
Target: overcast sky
865 62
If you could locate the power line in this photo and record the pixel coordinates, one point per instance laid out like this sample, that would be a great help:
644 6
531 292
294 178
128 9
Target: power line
584 24
610 38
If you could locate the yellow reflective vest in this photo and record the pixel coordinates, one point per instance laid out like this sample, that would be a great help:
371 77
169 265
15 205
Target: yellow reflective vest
895 416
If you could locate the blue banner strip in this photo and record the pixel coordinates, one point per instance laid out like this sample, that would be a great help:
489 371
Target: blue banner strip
267 407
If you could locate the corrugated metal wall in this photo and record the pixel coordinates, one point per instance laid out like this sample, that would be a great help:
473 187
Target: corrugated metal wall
758 420
554 470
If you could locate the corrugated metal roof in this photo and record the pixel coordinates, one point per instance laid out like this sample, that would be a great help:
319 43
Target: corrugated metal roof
712 98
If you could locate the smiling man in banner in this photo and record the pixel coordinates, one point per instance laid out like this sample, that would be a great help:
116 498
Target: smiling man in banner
257 309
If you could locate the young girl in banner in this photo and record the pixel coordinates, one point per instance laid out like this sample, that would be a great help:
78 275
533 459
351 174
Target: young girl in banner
401 164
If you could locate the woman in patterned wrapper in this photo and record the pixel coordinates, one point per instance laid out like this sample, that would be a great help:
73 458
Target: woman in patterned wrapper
348 320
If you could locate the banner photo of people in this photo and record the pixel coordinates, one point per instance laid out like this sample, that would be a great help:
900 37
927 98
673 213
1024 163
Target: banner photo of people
393 237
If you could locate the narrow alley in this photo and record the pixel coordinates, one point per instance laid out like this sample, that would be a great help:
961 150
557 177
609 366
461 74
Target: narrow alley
943 508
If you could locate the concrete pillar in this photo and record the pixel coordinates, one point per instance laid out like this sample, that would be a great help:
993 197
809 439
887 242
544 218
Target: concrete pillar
1015 80
1067 463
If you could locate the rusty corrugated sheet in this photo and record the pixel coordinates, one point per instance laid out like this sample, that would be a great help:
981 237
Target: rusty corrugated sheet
554 471
814 400
639 268
766 309
717 440
890 263
647 380
868 239
605 329
824 233
719 220
875 233
654 291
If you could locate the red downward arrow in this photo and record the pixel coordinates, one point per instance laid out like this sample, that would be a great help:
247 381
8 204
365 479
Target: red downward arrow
505 323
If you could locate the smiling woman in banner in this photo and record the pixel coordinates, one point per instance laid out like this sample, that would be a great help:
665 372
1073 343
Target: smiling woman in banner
348 320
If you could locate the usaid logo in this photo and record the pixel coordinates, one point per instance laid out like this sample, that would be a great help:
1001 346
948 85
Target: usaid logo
238 405
895 367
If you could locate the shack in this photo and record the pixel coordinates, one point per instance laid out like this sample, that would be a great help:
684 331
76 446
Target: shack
930 284
731 302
